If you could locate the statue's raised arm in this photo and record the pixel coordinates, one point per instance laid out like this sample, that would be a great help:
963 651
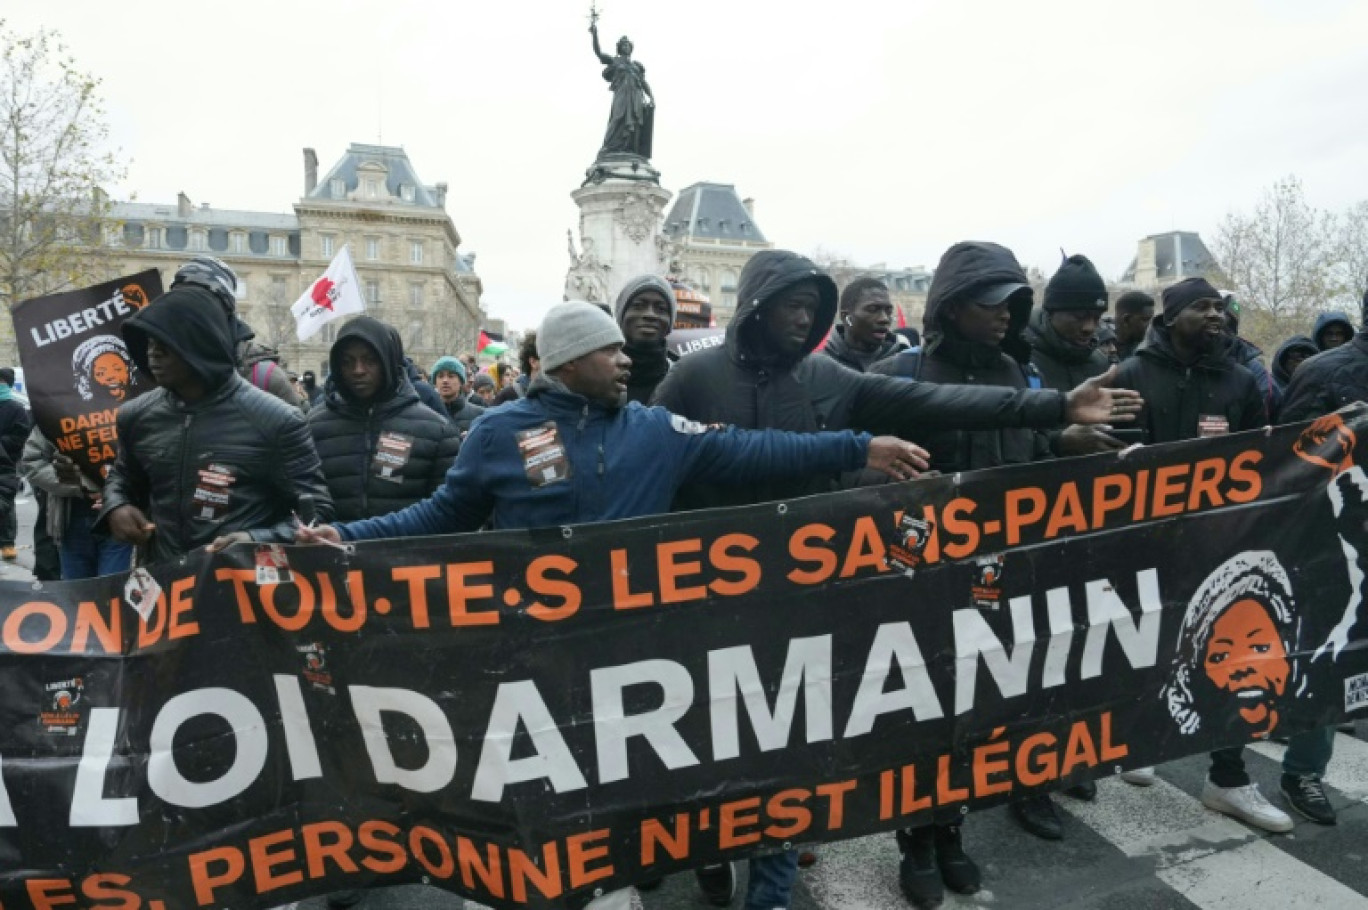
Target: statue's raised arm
598 52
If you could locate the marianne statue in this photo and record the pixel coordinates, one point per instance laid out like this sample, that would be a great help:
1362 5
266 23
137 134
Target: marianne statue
633 113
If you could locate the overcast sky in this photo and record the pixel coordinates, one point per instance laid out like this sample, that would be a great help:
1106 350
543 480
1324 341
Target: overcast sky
879 130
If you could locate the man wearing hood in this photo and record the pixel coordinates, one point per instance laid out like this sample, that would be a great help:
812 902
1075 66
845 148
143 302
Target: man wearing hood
1332 330
255 362
762 377
382 449
864 332
646 310
1289 356
449 377
1250 356
207 453
1063 336
576 450
1192 389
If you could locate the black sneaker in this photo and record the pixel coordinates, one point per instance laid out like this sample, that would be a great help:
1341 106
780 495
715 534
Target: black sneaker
718 883
1038 815
959 872
1307 795
1086 791
918 873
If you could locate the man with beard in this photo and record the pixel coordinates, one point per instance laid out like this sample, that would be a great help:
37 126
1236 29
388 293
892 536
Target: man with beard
207 453
646 310
1193 389
575 450
763 377
864 328
1134 312
1062 335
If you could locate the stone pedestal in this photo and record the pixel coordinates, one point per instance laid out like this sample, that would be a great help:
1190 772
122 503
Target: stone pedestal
619 231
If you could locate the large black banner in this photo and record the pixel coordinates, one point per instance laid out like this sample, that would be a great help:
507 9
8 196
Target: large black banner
526 717
76 366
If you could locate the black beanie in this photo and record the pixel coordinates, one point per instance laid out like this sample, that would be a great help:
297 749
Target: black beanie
1076 286
1184 294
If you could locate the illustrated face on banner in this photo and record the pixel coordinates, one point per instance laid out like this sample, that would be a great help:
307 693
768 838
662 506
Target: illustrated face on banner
103 369
1233 663
1247 658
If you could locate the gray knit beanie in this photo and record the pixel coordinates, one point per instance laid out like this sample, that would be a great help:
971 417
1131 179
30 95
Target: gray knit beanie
645 283
571 330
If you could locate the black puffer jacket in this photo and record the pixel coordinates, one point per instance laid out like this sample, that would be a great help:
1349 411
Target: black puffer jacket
236 460
388 453
950 358
1327 382
462 413
745 383
1178 396
838 347
1062 365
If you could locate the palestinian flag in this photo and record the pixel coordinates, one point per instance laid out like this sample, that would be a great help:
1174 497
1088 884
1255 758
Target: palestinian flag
490 344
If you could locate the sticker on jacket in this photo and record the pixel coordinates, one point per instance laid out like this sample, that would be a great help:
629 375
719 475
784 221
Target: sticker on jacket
392 453
543 455
1212 425
213 492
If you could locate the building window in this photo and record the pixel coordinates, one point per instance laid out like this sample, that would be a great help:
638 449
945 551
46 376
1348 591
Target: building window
372 247
238 243
406 192
113 235
327 242
416 293
372 187
152 238
337 187
416 252
372 291
278 292
278 246
240 292
728 281
198 240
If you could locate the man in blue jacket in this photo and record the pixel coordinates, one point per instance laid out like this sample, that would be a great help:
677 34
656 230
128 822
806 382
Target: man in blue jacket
572 452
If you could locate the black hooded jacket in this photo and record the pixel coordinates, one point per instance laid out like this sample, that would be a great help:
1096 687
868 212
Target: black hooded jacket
948 357
236 460
746 383
838 347
1062 365
1327 382
1179 396
388 453
1325 320
1281 374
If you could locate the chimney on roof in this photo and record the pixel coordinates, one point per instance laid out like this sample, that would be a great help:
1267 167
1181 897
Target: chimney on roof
310 171
183 206
749 204
441 195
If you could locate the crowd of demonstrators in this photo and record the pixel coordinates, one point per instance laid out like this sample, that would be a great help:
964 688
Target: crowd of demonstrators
810 391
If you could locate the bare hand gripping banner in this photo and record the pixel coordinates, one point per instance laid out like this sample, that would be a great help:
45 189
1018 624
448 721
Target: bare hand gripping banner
529 717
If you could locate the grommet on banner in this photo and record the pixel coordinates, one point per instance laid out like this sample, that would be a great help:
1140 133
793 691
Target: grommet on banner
788 845
956 479
782 508
964 810
1268 431
598 892
567 533
1118 769
37 585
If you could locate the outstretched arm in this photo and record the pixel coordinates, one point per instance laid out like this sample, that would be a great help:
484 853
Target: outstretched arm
598 52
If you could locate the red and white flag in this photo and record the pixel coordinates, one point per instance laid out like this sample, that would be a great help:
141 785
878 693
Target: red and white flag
336 294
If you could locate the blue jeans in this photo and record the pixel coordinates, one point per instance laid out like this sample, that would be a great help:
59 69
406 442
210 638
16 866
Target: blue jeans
771 880
85 553
1309 753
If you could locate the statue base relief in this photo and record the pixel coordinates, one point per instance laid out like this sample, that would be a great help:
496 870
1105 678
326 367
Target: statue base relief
619 229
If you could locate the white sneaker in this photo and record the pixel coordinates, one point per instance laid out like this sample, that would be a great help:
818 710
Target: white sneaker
1140 777
1248 805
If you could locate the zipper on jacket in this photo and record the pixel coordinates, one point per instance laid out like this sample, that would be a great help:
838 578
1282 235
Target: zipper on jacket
182 504
368 460
584 418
